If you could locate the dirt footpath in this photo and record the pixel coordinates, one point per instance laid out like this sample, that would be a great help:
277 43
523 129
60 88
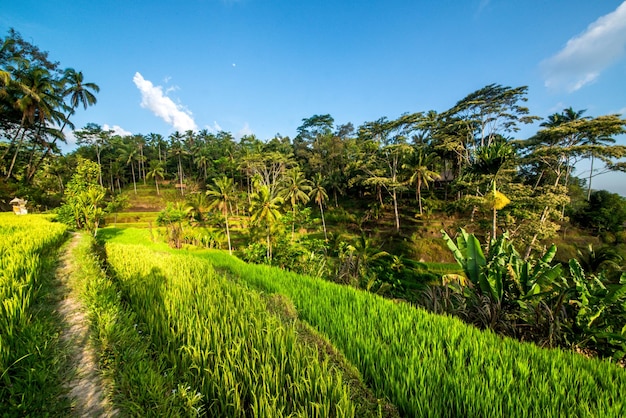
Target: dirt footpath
86 388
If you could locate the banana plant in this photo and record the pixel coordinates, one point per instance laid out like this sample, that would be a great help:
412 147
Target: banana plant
503 273
601 309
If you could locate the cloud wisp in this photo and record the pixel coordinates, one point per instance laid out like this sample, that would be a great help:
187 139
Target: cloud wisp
245 130
153 99
117 130
586 55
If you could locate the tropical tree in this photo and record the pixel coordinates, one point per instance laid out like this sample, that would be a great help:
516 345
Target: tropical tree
489 160
156 172
36 103
128 155
177 149
296 191
84 198
319 196
220 194
421 164
93 135
265 210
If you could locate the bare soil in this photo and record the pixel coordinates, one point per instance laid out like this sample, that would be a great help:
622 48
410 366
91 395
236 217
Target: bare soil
87 390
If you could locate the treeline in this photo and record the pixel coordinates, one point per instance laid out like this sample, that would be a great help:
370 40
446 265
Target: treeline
462 160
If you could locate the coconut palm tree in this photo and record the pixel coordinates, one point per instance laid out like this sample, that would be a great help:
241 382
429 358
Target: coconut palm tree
421 163
37 103
319 195
156 172
220 194
177 149
78 93
128 155
265 209
296 191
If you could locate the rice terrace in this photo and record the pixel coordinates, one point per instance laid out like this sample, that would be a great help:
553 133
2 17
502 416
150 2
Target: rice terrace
468 261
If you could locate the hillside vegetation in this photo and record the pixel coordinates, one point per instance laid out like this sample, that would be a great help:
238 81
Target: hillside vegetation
216 336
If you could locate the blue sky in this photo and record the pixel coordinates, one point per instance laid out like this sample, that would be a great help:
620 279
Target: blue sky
261 66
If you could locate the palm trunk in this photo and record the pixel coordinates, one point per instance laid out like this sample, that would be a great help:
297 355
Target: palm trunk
99 165
419 194
17 150
395 210
180 175
293 222
230 250
132 168
323 221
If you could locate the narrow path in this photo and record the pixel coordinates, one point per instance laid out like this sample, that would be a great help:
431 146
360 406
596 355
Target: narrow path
86 388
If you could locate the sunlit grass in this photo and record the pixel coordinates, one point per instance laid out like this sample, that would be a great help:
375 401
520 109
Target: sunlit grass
31 353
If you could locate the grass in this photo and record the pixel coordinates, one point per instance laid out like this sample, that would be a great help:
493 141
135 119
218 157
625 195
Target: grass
33 358
219 338
430 365
141 381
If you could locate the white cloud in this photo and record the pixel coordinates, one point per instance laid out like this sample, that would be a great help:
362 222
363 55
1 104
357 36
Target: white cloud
215 128
244 131
584 56
117 130
152 98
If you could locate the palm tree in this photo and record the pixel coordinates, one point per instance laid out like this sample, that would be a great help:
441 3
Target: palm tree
128 154
265 208
420 165
221 193
296 192
319 195
156 172
79 93
37 104
176 148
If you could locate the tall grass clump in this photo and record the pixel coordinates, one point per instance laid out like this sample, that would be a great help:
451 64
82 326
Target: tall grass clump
30 363
430 365
220 339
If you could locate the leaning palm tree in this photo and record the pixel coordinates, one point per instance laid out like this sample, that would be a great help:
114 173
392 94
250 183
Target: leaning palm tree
36 103
156 171
319 195
265 208
295 192
78 93
220 194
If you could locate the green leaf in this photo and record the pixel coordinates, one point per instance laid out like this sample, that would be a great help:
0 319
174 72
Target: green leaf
475 260
458 255
595 316
549 255
576 271
492 283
